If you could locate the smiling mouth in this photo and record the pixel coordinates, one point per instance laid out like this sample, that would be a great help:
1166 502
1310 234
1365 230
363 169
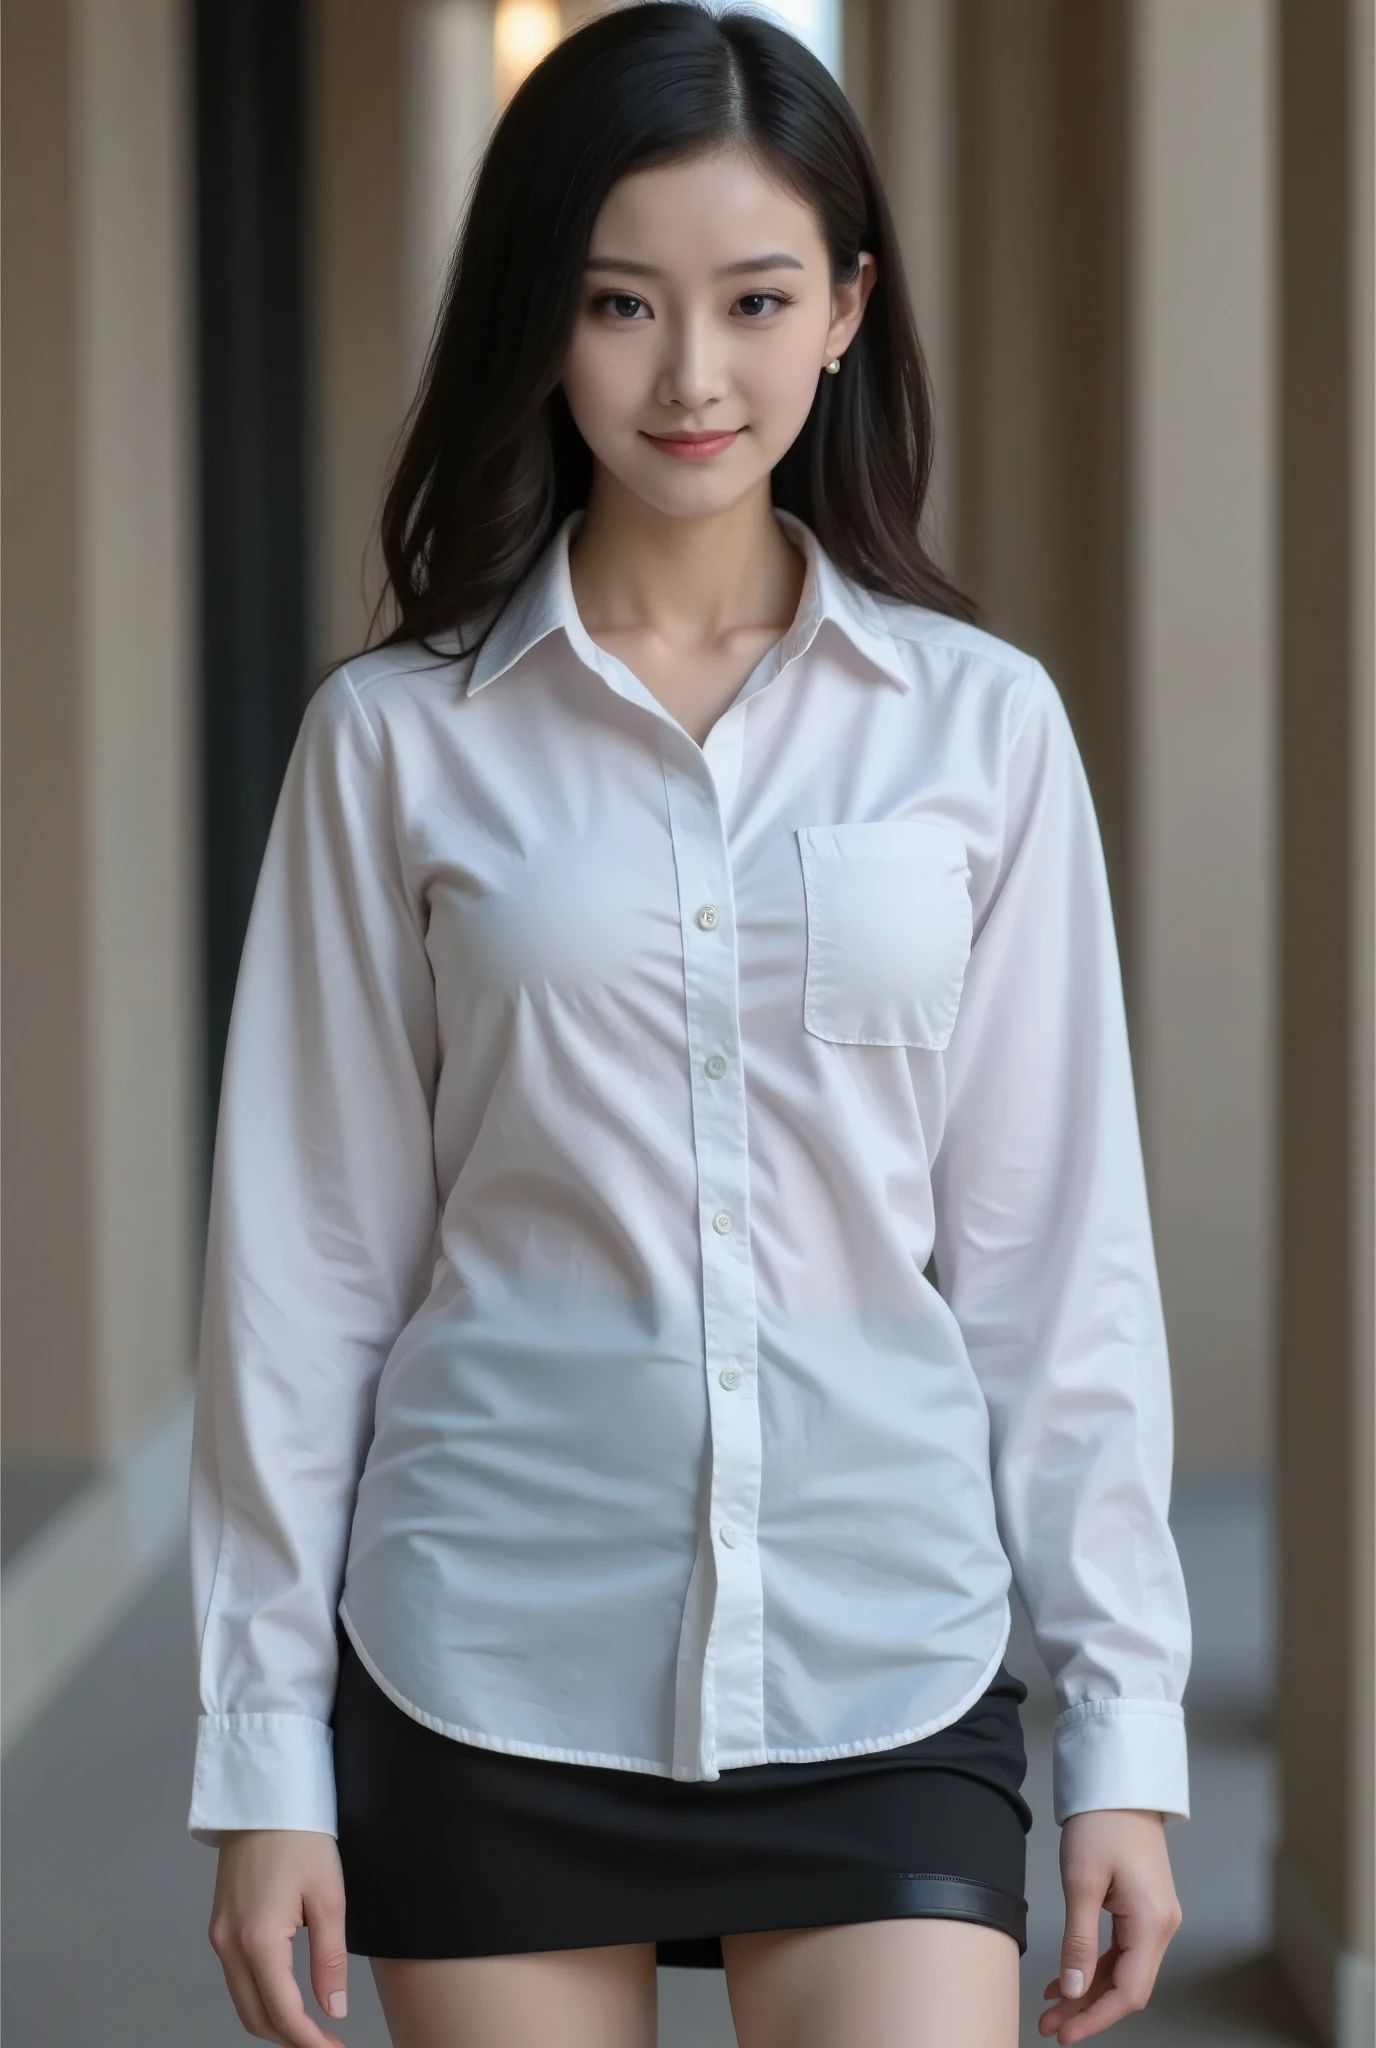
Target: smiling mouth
694 447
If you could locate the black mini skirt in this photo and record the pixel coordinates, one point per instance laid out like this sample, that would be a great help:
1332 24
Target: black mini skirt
449 1849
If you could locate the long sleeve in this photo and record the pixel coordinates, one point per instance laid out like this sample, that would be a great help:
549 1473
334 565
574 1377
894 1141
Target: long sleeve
1044 1254
322 1223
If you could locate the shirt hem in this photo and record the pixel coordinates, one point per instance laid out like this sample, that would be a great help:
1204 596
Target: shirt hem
511 1746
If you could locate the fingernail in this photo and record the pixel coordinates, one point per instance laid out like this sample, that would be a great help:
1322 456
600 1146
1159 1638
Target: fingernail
1072 1983
339 2005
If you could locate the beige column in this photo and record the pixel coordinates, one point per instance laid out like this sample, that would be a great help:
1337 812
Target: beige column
1325 1902
899 72
448 118
1202 663
1112 497
100 891
404 100
1038 485
360 332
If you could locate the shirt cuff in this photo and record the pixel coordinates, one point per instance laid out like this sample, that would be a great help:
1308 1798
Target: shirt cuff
262 1771
1120 1753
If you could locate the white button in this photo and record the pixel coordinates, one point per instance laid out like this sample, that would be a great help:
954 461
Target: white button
716 1066
730 1376
730 1535
709 917
721 1222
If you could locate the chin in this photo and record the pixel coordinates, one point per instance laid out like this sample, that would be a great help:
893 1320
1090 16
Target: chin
693 496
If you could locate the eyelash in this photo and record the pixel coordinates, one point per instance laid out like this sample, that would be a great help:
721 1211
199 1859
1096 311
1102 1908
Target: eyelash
606 300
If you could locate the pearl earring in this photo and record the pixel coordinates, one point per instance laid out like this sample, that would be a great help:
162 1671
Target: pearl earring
833 366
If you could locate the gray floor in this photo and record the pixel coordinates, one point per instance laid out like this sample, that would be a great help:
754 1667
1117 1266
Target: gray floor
29 1495
106 1901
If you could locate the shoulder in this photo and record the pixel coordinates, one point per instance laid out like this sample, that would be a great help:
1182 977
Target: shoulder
937 641
994 677
370 692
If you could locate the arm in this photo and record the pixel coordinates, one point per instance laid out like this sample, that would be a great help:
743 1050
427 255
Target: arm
321 1234
1044 1252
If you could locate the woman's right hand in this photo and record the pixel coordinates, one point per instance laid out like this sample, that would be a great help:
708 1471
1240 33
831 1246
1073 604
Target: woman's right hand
270 1882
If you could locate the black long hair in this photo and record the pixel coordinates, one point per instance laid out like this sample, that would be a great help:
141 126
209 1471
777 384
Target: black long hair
490 460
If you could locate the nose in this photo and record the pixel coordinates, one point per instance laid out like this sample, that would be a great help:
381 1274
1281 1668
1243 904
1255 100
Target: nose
692 374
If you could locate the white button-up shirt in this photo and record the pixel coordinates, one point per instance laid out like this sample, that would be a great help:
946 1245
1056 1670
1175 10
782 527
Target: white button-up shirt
593 1105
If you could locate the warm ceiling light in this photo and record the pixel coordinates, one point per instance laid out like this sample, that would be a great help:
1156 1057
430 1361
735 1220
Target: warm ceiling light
523 31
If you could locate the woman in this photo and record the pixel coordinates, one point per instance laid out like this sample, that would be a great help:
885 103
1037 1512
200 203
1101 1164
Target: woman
680 928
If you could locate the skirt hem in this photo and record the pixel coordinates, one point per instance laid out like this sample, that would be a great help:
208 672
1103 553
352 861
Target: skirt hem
909 1895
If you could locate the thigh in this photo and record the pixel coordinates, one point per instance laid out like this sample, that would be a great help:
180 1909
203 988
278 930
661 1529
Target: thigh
890 1983
578 1997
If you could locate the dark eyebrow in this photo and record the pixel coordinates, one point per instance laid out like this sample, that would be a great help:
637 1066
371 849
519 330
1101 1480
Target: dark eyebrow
627 266
777 259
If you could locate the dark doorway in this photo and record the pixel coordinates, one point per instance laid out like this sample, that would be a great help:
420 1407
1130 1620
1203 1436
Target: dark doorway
251 98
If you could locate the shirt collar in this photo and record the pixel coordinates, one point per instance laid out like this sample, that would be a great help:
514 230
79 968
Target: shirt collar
542 603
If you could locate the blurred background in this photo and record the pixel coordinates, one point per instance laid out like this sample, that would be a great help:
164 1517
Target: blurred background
1140 243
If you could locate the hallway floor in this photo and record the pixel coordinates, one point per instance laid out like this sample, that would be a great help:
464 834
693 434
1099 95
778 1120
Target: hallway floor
106 1899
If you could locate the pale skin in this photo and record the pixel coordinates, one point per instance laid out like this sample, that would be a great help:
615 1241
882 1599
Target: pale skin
708 309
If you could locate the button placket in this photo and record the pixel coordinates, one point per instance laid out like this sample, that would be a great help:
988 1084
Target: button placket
720 1701
723 752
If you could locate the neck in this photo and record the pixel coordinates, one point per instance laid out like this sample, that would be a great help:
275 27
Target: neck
635 568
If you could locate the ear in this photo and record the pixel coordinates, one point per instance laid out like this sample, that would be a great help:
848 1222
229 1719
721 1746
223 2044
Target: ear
848 302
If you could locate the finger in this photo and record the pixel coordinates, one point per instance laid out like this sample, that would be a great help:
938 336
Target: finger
1056 2016
243 1994
1128 1991
329 1958
290 2025
1084 1896
1103 1972
239 1981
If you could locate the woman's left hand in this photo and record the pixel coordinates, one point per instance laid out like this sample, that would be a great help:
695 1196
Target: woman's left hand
1114 1858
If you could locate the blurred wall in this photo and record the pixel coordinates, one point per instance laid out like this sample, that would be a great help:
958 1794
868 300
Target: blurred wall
99 928
403 104
449 116
1085 195
360 328
899 73
1325 1872
1202 696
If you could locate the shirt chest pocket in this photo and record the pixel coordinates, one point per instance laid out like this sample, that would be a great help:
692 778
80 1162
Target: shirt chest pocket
888 931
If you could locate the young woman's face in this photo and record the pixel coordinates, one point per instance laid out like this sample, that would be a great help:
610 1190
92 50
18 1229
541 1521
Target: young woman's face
707 316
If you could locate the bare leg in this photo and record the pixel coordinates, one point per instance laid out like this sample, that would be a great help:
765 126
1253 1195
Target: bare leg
555 1998
884 1983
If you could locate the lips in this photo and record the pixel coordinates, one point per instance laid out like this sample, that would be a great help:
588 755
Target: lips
693 447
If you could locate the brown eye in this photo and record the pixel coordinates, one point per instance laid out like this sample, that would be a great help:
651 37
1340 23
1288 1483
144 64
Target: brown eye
756 305
621 305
